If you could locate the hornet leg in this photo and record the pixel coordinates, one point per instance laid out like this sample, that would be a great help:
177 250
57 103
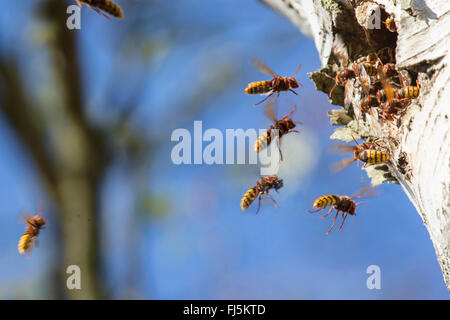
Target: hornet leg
334 221
279 149
344 216
259 203
263 99
327 214
315 210
273 200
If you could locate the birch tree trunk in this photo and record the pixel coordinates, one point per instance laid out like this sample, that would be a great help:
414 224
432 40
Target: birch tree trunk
418 141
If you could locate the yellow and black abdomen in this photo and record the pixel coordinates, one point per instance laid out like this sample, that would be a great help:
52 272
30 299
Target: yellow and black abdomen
370 69
25 243
409 92
374 156
263 141
248 198
259 87
326 201
109 7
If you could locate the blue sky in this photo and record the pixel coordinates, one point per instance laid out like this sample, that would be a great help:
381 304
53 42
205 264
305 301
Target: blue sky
206 247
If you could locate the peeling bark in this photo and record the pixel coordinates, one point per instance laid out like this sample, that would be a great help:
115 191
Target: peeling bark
419 140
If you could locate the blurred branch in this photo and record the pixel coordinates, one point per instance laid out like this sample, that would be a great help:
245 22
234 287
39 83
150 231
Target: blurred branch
73 160
82 158
20 116
72 151
67 65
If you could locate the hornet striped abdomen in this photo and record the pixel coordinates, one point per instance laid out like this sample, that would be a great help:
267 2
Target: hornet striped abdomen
326 201
374 156
259 87
370 69
109 7
25 243
248 198
364 152
263 141
408 92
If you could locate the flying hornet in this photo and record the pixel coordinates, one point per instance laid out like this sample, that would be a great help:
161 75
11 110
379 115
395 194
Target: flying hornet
340 52
364 152
344 204
283 126
262 187
34 226
269 87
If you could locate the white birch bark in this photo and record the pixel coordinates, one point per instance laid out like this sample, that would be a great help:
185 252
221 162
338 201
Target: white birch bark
419 142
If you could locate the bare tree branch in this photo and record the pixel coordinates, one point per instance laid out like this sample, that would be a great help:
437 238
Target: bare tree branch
24 121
